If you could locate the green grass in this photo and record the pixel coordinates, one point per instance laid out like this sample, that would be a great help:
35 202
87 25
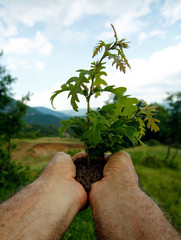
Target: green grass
163 184
47 140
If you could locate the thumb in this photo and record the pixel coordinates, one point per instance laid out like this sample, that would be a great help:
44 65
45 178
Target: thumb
120 163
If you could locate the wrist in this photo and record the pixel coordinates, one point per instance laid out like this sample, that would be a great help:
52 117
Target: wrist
59 194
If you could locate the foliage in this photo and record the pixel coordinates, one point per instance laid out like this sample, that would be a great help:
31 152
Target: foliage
114 126
10 171
162 184
11 114
5 86
174 120
73 152
35 131
12 175
152 142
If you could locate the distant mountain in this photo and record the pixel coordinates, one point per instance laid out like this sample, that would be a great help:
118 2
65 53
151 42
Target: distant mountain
52 112
44 116
72 113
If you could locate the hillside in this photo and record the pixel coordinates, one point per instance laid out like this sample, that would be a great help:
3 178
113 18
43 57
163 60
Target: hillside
54 113
44 116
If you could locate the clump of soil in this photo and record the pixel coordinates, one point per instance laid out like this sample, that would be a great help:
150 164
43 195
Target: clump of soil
86 175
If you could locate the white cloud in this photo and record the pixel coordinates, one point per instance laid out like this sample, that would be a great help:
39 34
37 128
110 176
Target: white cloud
142 36
171 10
39 65
151 78
25 45
42 44
178 37
14 63
43 99
61 13
8 31
68 36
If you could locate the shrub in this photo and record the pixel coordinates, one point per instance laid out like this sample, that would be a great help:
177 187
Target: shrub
153 142
12 175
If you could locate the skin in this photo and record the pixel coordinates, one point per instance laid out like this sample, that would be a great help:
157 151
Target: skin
46 208
121 210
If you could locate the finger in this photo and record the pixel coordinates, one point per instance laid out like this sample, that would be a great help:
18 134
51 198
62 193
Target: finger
61 164
120 163
79 155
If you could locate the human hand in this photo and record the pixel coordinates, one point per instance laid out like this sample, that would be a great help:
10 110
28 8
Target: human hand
60 173
109 196
46 207
119 177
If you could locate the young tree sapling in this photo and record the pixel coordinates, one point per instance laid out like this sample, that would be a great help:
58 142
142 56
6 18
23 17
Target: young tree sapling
114 126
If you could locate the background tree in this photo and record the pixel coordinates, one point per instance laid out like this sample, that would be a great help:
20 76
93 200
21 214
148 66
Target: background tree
11 123
11 111
174 122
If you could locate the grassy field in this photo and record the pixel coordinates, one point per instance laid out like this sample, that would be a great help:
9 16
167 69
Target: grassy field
160 180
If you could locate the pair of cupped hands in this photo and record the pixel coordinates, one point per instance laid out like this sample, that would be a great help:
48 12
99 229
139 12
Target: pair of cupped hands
61 171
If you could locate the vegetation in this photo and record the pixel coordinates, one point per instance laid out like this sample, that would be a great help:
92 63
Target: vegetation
162 183
115 126
11 114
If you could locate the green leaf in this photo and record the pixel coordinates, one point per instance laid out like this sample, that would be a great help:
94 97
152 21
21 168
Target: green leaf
98 48
132 134
150 113
98 124
118 123
64 88
96 117
115 34
141 127
152 122
109 112
78 121
76 89
98 81
126 106
117 91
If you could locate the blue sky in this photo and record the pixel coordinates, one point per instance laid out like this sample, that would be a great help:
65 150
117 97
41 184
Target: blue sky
46 41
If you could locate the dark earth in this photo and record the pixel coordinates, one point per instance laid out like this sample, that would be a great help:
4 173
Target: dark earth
86 175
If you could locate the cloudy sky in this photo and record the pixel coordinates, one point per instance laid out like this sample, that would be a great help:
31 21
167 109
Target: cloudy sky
46 41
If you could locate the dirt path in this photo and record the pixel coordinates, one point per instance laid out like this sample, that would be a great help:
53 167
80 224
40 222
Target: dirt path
42 149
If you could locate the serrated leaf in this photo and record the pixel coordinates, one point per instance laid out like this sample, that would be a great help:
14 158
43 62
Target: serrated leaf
98 81
98 124
64 88
79 121
98 48
141 127
117 91
150 113
76 89
96 117
126 106
118 123
115 34
152 122
93 135
119 64
132 134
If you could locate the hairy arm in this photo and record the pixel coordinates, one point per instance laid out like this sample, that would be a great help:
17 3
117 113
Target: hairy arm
121 210
45 208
